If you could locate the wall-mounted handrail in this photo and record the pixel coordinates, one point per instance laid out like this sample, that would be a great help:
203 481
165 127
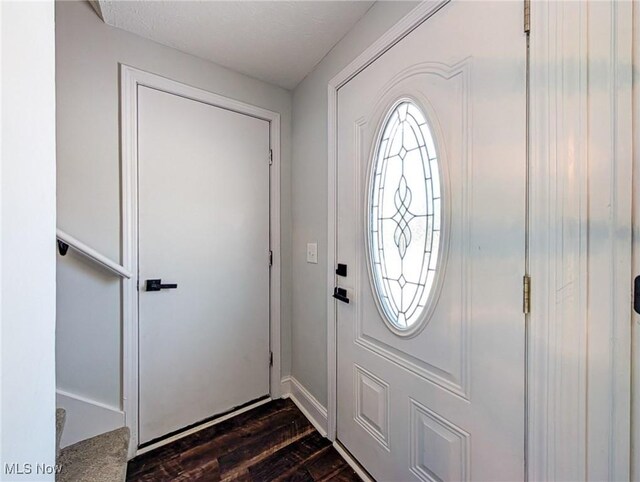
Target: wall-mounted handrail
66 240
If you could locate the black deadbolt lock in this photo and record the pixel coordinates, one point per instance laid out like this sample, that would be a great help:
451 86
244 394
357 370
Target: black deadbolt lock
340 294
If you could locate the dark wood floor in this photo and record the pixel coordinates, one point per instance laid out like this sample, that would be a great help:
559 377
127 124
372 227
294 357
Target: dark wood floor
273 442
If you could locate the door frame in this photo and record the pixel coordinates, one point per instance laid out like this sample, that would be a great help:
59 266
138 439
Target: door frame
579 358
563 440
130 79
635 349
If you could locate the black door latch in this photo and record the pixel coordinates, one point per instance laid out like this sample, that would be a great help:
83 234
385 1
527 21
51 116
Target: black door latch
636 295
156 285
340 294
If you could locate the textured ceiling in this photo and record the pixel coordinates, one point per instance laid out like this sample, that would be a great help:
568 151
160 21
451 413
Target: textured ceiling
275 41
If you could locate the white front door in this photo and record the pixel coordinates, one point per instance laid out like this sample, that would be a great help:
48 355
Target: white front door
203 226
431 225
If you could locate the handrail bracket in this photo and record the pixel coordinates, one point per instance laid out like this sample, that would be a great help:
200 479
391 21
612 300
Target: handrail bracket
62 248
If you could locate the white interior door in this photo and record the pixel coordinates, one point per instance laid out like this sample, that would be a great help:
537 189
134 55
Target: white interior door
431 225
204 226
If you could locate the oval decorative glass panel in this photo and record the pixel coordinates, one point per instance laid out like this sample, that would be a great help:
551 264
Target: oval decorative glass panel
404 211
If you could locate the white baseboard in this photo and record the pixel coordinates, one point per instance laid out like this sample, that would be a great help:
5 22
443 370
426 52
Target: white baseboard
353 463
307 403
86 418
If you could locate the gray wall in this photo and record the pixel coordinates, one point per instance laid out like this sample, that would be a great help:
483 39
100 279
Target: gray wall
88 340
309 196
27 239
89 318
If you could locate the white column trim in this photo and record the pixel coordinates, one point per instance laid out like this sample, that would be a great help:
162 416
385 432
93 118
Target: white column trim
580 170
635 398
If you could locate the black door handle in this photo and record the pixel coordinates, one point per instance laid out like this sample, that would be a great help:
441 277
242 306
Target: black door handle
156 285
340 294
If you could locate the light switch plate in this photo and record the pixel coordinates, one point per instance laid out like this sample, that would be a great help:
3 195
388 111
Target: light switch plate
312 253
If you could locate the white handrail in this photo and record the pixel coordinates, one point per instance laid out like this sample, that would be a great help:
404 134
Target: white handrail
92 254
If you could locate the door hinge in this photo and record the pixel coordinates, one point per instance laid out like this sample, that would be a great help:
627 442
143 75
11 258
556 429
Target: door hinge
526 294
527 16
636 295
270 157
270 358
137 285
270 258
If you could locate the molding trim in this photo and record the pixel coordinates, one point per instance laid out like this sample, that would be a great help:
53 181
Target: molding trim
130 79
86 418
555 326
635 383
578 366
306 402
316 413
609 313
400 30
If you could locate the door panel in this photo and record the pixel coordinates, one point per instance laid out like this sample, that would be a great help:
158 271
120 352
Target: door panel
204 225
446 401
439 355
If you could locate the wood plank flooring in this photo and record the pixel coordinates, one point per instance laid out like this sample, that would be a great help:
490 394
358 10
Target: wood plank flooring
273 442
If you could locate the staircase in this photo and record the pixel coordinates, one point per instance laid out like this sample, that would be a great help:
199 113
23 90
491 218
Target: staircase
101 458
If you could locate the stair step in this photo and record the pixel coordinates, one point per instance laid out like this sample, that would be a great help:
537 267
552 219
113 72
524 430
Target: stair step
61 416
101 458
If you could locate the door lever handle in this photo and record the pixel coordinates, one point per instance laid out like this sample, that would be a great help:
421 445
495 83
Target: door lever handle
340 294
156 285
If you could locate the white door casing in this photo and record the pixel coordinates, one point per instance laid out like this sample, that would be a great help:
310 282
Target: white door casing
131 81
635 270
580 240
447 401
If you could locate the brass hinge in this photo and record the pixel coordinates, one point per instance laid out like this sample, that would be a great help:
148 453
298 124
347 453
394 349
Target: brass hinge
527 16
526 294
270 358
270 157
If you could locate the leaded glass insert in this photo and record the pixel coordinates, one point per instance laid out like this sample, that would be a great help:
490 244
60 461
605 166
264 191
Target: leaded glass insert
404 215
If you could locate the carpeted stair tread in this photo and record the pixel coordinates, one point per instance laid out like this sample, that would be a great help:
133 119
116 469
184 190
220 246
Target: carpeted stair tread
101 458
61 416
